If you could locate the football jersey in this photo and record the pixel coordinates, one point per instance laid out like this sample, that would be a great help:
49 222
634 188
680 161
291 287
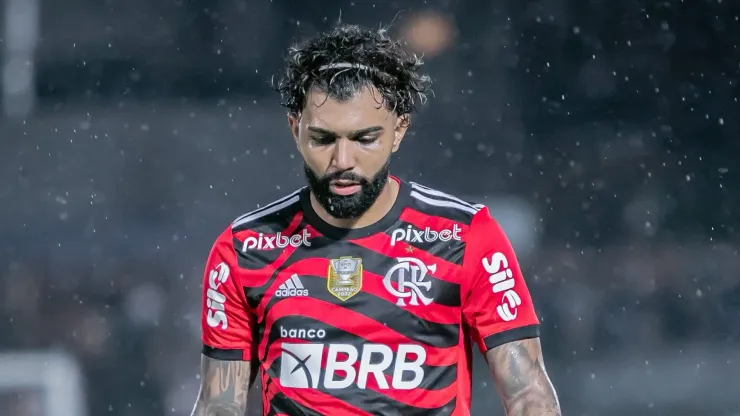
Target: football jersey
378 320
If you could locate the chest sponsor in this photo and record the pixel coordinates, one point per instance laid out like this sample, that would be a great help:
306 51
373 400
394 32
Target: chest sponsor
276 241
427 235
339 366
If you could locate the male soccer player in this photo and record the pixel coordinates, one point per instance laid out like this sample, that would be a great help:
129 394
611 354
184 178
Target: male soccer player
361 294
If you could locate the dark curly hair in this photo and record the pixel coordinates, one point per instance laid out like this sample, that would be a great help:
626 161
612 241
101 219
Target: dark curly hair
346 59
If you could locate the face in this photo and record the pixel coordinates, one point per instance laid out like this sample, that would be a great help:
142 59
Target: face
346 147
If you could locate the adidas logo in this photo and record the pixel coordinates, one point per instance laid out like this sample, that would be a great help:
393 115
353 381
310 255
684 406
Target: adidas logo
291 287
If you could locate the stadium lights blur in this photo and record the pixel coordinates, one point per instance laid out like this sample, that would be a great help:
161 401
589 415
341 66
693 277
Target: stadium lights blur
20 41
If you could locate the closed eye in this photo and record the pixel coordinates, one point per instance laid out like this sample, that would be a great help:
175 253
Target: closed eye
322 140
367 140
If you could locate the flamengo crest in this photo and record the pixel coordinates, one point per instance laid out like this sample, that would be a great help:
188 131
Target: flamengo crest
407 281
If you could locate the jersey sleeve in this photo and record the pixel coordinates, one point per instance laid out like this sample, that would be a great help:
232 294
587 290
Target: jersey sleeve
226 319
497 305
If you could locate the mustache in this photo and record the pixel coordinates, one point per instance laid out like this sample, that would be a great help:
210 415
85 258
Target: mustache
344 176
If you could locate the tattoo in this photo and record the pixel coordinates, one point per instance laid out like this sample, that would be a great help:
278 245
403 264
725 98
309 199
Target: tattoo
224 388
522 380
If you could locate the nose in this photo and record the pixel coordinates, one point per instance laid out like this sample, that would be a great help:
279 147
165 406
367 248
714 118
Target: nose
343 157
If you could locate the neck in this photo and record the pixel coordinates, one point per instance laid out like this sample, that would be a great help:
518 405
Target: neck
377 211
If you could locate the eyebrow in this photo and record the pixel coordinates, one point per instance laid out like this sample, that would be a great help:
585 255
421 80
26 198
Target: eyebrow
352 134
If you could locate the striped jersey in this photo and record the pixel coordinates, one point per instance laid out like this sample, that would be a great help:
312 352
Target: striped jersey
378 320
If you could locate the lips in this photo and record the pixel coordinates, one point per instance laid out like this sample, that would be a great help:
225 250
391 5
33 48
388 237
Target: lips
343 182
344 187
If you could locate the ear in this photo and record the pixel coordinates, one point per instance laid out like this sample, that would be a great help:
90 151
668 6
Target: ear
294 122
402 124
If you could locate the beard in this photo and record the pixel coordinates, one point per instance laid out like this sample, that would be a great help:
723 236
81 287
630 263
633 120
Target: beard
347 207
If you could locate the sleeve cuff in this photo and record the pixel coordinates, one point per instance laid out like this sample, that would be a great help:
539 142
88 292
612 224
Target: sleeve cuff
515 334
223 354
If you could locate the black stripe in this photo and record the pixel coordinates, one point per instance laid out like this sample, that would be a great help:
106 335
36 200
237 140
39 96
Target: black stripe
396 318
451 213
516 334
281 404
278 201
451 251
287 328
272 222
429 192
222 354
254 259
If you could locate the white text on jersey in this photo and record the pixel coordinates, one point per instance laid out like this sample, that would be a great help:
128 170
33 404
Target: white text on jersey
302 333
271 242
503 281
215 300
427 235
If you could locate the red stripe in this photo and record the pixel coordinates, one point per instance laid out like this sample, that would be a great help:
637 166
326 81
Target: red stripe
418 397
354 323
381 243
321 402
267 270
371 283
421 220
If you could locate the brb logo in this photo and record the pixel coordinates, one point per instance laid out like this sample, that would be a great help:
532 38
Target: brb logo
409 275
427 235
215 300
502 279
345 365
271 242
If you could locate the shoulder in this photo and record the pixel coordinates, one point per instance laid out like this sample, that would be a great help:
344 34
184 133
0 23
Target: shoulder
438 203
273 215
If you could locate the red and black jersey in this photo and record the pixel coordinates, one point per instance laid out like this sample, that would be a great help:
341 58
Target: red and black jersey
372 321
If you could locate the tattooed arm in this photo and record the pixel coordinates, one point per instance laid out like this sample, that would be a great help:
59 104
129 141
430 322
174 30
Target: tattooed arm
521 379
223 388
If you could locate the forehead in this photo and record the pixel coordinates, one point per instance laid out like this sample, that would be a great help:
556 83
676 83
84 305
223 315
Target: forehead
364 108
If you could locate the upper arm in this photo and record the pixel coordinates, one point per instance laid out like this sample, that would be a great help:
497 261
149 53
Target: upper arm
224 387
521 379
497 305
227 322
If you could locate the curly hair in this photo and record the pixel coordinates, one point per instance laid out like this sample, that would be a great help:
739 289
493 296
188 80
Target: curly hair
346 59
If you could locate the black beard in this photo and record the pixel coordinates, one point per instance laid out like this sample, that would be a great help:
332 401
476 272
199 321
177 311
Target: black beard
346 207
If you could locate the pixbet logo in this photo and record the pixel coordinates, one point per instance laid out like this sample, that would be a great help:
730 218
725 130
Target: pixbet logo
271 242
215 300
427 235
409 275
503 281
345 365
302 333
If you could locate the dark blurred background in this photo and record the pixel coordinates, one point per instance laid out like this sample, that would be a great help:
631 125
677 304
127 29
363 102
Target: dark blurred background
604 135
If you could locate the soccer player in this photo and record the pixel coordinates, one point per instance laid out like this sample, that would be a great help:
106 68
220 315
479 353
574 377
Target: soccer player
362 294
